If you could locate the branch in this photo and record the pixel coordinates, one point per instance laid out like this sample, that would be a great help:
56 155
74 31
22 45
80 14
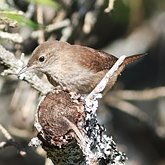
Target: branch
10 141
101 86
128 108
147 94
15 37
14 66
110 6
103 146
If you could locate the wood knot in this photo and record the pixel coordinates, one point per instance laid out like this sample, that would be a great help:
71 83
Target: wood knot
61 117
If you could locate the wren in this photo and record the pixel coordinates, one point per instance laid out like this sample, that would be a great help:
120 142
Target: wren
76 67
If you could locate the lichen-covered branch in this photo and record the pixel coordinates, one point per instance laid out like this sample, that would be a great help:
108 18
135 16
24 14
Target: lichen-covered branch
102 146
15 65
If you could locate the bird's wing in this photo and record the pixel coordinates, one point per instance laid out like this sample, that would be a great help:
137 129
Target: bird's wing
94 59
97 60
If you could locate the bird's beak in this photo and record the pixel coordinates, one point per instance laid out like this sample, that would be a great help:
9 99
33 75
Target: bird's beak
27 69
24 69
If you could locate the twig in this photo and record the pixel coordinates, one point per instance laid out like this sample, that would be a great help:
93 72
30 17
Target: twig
10 141
89 21
41 37
66 33
110 6
101 86
11 36
52 27
5 133
128 108
30 10
147 94
58 25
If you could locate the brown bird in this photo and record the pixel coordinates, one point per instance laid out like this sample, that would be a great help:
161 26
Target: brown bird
76 67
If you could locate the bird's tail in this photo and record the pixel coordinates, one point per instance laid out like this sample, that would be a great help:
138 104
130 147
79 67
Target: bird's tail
133 58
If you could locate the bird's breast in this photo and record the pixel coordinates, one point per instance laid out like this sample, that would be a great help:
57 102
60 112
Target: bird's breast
78 79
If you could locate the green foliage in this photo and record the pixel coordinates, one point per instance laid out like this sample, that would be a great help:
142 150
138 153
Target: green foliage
19 18
49 3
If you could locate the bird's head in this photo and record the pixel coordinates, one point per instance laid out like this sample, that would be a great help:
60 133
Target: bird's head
44 57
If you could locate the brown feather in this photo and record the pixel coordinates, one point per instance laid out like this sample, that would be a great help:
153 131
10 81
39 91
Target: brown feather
133 58
93 59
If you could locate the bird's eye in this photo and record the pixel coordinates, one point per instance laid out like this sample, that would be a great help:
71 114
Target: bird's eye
41 59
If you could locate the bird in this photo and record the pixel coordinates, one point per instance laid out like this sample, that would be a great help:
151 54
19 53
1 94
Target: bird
78 68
